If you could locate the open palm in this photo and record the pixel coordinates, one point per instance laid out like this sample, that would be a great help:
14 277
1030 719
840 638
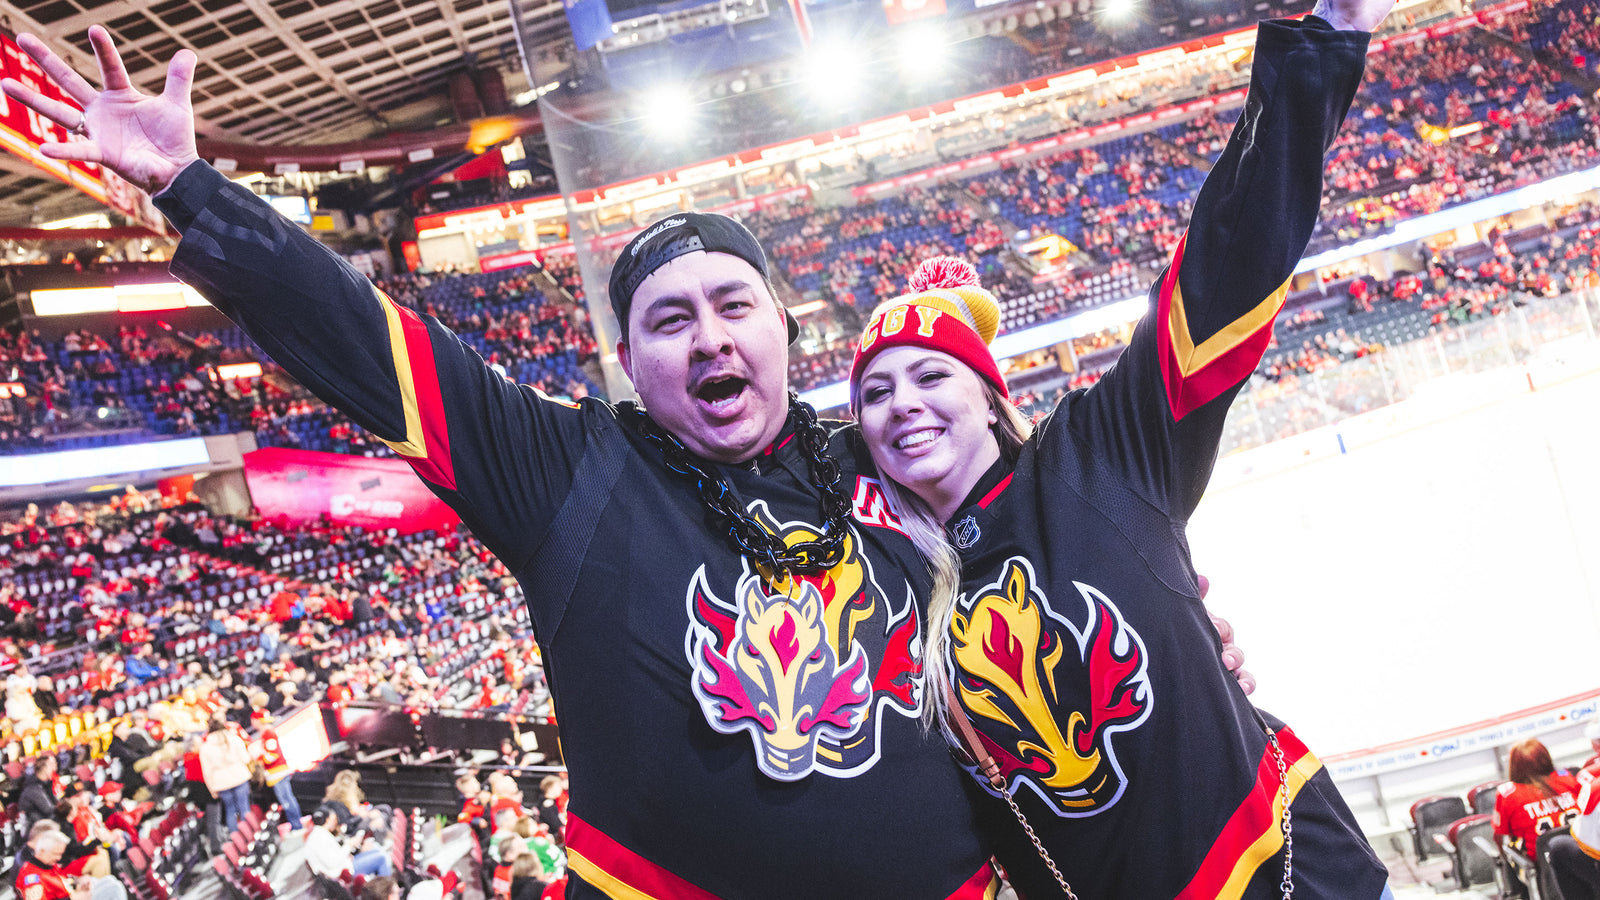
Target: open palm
143 138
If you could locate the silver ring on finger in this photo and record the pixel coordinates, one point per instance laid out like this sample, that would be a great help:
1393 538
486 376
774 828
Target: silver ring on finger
82 128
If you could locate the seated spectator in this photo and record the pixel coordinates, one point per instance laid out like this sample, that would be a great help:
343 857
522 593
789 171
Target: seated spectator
42 877
505 822
552 807
474 802
143 665
509 849
131 747
527 878
345 798
38 800
538 842
44 697
121 813
88 826
506 793
106 678
1535 800
328 856
21 709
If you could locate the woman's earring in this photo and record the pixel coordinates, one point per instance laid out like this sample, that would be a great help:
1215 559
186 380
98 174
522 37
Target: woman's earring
993 419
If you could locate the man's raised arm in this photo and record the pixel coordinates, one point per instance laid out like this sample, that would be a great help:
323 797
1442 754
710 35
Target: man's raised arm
501 455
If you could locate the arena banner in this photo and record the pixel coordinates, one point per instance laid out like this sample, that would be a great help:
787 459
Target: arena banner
1501 731
349 490
369 724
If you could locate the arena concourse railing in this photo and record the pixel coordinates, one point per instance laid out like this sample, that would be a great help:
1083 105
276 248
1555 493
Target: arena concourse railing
1547 339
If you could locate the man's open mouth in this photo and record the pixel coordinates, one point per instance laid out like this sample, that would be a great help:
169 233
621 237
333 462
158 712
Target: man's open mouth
721 391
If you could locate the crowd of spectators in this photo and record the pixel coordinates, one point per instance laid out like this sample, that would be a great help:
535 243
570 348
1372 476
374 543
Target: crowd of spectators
142 381
1117 206
188 635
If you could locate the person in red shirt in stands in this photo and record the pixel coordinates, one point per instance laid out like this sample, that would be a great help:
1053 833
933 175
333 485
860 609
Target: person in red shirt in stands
279 776
339 688
506 795
121 815
137 631
474 802
1535 800
511 847
41 876
87 823
282 606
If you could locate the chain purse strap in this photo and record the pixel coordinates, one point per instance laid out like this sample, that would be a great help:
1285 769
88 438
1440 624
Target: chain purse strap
990 769
1283 793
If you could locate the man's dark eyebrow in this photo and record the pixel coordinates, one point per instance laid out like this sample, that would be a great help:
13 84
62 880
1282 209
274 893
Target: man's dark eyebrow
731 287
674 300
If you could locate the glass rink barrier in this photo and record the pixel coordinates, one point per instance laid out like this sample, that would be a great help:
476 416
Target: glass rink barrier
1542 340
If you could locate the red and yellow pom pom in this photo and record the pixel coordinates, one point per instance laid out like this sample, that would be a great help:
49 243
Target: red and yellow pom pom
943 273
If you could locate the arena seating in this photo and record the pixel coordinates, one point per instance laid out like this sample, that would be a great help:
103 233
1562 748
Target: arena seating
157 384
172 567
1120 202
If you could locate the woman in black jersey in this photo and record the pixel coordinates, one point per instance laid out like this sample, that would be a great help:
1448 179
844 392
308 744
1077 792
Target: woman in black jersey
1067 642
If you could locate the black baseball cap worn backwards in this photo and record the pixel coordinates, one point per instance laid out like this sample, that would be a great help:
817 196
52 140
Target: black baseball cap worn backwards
671 238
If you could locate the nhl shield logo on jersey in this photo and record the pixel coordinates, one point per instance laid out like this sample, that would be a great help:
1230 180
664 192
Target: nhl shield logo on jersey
807 666
1058 692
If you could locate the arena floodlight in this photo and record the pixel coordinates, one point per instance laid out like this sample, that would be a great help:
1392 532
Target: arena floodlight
833 73
668 112
1117 10
921 50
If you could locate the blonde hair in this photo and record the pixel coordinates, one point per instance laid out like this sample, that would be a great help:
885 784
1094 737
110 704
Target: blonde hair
346 789
1011 430
527 866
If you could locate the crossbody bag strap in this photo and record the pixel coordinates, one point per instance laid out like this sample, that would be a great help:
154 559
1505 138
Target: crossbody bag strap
991 770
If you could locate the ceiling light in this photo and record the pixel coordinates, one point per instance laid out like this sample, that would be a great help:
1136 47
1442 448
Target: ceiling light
668 112
833 74
921 50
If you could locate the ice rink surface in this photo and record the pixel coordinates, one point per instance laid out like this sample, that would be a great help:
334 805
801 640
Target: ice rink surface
1422 567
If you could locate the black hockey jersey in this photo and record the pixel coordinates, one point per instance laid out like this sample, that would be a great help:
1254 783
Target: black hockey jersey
1082 653
721 743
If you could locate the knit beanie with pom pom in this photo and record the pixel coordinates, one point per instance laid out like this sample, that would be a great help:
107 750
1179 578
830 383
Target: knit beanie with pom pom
947 310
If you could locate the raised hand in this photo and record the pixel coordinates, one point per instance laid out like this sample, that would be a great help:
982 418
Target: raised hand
1354 15
145 139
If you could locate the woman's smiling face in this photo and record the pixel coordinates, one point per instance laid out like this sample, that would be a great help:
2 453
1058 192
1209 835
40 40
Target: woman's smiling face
926 417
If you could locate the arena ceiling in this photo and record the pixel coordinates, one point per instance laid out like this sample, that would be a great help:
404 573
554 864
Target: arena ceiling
280 71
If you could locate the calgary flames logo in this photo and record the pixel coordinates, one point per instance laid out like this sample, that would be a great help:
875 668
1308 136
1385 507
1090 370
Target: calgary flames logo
806 666
1047 706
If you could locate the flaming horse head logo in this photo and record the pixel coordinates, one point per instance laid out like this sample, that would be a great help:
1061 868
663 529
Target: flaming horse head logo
1048 696
779 679
806 665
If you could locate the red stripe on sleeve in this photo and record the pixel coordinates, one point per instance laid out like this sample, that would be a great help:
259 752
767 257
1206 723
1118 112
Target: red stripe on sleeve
1254 817
626 866
1210 382
437 467
1171 368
